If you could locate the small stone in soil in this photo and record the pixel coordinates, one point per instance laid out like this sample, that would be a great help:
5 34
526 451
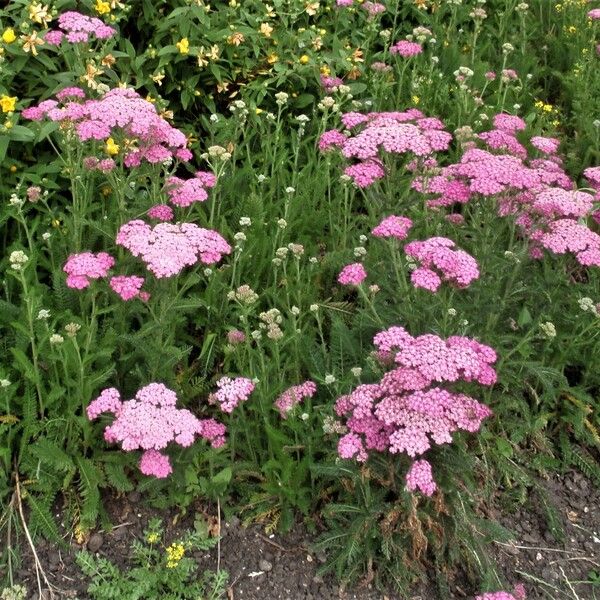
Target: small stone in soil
264 565
95 542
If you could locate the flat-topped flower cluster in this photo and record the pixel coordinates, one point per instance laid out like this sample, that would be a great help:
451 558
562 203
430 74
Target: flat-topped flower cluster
410 409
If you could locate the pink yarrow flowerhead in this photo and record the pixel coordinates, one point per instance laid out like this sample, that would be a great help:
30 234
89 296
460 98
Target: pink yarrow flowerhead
439 261
517 594
127 286
120 113
167 248
184 192
406 49
353 274
408 411
393 227
151 421
161 212
81 268
231 392
293 396
78 28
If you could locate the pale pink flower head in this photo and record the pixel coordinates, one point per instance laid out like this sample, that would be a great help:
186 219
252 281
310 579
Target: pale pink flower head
109 401
490 75
167 248
184 192
353 274
231 391
235 336
373 8
155 464
331 139
81 268
594 14
293 396
567 235
393 227
406 49
547 145
127 286
509 123
344 2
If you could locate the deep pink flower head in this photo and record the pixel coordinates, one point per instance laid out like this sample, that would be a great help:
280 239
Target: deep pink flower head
293 396
127 286
393 227
440 262
80 268
167 249
231 392
518 594
547 145
406 49
161 212
213 431
592 174
353 274
184 192
331 139
420 478
70 92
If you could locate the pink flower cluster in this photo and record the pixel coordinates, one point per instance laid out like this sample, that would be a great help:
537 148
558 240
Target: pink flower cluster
353 274
161 212
331 84
518 594
293 396
167 248
184 192
77 28
368 135
407 411
80 268
537 192
406 49
393 227
120 113
231 392
440 262
373 8
149 422
128 287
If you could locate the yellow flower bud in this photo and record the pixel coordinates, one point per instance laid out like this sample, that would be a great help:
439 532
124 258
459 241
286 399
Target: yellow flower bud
8 37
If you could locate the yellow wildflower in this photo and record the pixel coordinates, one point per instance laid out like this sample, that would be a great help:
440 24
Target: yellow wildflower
312 8
266 29
8 124
304 59
183 46
158 78
269 10
13 168
39 13
416 99
7 103
152 538
30 42
175 553
102 7
8 37
111 147
325 70
547 108
236 38
258 111
272 58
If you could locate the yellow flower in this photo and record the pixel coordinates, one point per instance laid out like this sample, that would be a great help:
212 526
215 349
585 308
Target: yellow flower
30 42
111 147
272 58
38 13
183 46
269 10
175 553
258 111
8 37
158 78
547 108
325 70
304 59
266 29
235 39
8 124
13 168
7 103
102 7
152 538
416 99
312 8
